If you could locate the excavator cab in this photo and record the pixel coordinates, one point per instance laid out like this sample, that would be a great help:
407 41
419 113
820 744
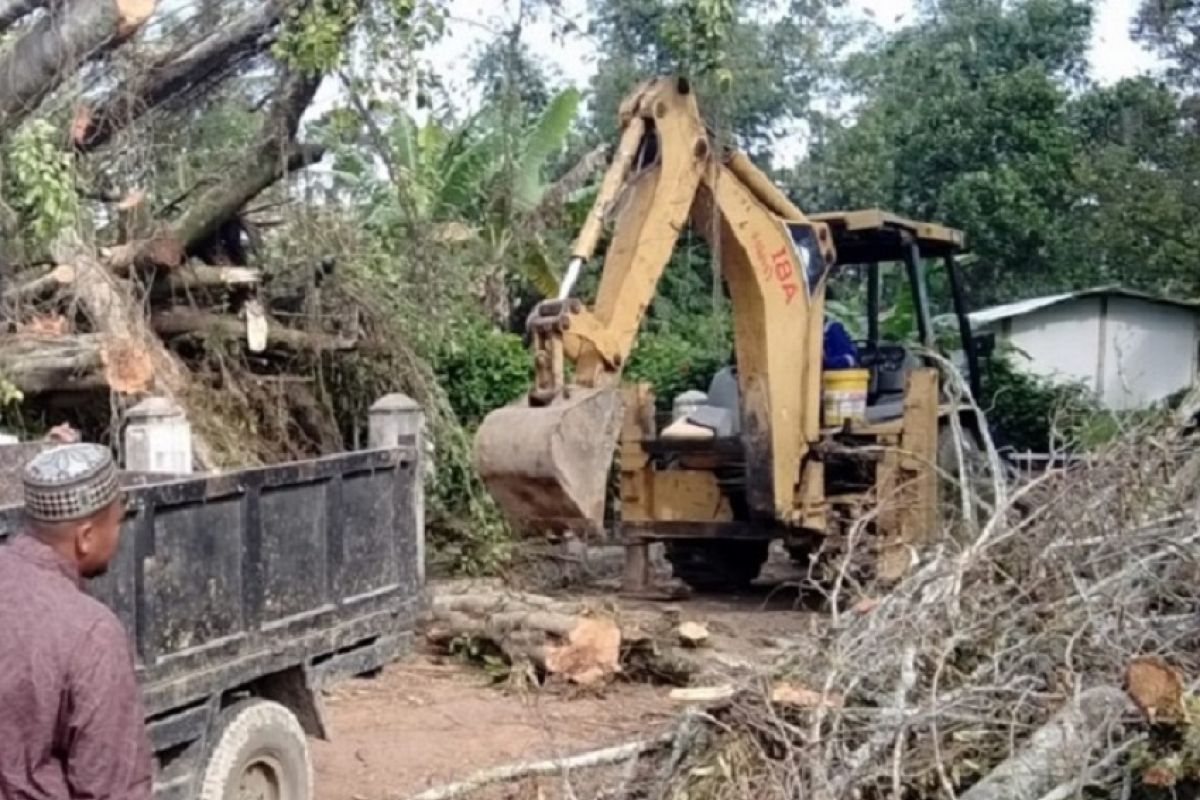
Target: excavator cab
869 240
867 243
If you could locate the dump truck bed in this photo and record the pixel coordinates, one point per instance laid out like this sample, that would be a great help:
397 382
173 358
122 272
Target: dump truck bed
227 581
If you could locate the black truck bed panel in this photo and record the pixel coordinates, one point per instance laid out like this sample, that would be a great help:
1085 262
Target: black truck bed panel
223 578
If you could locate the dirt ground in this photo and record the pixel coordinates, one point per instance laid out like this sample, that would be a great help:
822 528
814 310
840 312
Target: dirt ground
428 721
420 724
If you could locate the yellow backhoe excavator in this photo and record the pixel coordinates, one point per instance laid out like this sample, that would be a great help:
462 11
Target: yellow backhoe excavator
753 459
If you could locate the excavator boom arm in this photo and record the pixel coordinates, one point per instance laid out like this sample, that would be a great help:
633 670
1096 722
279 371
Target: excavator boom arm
546 458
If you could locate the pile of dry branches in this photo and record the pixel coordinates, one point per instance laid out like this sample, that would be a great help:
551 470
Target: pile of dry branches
1000 668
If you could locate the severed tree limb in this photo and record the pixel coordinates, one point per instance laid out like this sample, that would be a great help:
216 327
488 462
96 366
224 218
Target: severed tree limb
54 48
179 74
36 364
551 766
43 285
13 11
202 277
274 155
65 364
190 322
1056 752
261 167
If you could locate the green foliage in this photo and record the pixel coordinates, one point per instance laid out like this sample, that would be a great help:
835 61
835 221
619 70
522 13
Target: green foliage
39 182
756 64
964 120
10 400
481 369
697 33
510 73
482 653
684 355
312 39
544 139
1170 27
1030 413
977 115
477 185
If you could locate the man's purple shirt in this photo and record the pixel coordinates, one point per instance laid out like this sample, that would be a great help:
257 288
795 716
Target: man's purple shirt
71 718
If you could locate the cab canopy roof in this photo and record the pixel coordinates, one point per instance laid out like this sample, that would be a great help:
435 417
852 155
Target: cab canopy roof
872 235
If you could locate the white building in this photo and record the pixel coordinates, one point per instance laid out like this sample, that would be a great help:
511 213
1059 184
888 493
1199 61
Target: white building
1131 349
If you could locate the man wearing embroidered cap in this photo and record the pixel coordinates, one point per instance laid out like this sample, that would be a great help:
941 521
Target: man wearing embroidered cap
71 721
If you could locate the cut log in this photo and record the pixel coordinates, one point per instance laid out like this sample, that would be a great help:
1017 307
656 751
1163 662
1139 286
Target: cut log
568 640
791 695
86 362
162 249
181 74
692 634
203 324
1156 687
203 278
553 766
54 48
1057 752
591 654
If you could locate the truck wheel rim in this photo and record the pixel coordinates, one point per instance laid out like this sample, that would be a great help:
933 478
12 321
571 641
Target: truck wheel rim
261 779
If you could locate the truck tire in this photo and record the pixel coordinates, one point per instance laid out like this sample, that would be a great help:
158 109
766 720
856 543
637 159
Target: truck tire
258 752
718 565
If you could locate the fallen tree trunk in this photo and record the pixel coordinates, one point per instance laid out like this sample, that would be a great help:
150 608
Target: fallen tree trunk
54 48
260 168
1059 751
567 640
275 155
177 76
202 324
86 362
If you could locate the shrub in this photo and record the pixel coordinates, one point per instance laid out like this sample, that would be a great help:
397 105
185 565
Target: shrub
684 355
1029 412
481 369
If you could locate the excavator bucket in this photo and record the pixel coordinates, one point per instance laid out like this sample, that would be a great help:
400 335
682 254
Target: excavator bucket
547 466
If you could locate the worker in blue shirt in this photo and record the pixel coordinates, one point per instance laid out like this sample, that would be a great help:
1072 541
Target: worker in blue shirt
839 350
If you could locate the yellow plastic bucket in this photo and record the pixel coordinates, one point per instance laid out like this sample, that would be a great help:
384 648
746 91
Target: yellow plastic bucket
845 395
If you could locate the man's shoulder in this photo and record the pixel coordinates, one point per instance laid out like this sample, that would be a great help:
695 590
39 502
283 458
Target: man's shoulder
100 623
77 614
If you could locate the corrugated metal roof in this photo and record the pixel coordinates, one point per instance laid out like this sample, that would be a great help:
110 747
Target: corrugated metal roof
991 314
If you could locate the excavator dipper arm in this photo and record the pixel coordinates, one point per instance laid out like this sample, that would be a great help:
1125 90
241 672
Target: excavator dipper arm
546 458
